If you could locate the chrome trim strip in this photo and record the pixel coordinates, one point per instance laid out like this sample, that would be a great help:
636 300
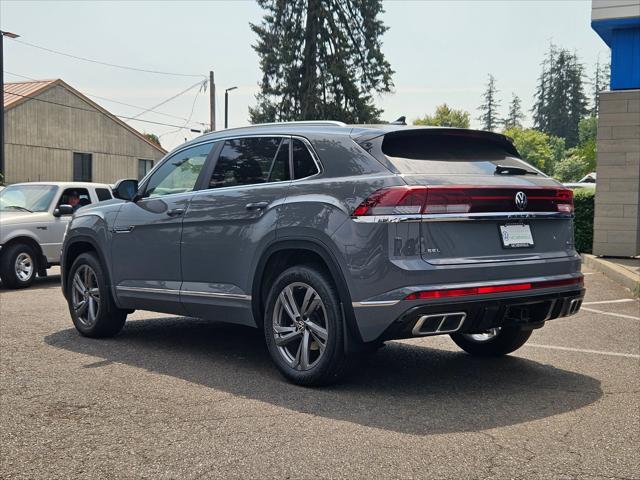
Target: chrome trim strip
457 217
169 291
379 303
235 296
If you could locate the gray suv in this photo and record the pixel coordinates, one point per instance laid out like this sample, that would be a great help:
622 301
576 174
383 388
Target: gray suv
333 239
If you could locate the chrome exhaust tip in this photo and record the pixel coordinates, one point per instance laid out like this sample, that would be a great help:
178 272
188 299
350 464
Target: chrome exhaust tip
438 323
574 306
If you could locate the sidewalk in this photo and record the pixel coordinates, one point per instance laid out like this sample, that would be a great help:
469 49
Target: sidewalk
625 271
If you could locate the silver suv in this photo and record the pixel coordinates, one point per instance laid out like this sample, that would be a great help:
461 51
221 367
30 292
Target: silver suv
33 219
333 239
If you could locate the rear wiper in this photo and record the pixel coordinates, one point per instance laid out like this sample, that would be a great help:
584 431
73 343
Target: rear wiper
503 170
19 208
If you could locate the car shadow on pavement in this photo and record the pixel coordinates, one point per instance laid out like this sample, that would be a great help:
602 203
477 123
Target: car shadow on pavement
403 387
40 282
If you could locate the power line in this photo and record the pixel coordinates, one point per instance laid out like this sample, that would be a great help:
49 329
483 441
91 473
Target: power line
199 83
146 109
93 111
114 65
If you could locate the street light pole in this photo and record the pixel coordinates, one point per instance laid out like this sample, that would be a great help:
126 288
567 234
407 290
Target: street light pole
2 162
226 106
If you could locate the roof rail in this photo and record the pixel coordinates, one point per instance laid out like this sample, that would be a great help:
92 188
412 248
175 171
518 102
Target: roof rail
334 123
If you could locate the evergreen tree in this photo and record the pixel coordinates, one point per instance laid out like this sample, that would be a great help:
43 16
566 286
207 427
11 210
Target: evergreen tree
320 59
515 116
489 109
599 82
560 101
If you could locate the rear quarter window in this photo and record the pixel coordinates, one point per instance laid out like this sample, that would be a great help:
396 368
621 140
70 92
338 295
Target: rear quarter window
103 194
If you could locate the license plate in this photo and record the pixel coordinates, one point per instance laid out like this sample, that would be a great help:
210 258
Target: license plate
516 236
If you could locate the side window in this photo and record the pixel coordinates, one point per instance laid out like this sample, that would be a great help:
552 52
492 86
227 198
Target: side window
76 197
303 164
280 168
103 194
249 161
180 173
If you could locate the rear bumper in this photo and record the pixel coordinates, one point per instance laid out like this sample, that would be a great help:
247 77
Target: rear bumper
480 315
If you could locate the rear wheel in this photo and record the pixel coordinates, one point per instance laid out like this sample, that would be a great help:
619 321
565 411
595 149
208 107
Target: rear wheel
90 304
303 327
19 266
492 343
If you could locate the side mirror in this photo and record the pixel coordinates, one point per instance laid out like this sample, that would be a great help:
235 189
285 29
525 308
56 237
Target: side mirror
63 210
126 190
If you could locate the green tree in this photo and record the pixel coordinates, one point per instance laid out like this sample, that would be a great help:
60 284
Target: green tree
153 138
599 82
515 116
445 117
560 101
537 148
320 59
571 169
489 109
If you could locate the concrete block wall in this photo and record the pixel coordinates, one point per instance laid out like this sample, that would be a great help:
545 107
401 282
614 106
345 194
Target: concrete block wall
617 221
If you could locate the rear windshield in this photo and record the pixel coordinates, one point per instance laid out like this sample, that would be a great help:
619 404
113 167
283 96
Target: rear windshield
425 153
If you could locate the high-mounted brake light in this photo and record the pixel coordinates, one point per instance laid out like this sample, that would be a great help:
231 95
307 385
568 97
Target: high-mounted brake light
514 287
436 200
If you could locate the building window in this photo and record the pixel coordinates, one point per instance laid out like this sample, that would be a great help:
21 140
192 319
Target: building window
144 167
82 167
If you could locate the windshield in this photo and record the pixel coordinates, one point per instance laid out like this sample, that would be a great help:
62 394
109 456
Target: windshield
31 198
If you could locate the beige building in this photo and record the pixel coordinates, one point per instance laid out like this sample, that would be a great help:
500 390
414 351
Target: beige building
53 132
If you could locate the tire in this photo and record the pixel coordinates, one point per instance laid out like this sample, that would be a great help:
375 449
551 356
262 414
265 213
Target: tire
19 266
498 342
98 316
308 348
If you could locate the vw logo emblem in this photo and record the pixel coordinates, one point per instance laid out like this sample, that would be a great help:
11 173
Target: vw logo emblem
521 200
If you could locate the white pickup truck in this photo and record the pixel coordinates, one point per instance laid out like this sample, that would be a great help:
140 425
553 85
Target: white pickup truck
33 220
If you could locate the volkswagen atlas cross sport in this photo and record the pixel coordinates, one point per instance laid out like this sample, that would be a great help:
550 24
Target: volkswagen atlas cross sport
333 239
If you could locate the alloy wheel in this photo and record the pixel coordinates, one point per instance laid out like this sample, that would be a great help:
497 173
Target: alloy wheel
24 267
85 295
300 326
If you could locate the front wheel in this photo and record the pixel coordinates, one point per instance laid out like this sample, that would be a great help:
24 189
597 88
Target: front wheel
92 309
492 343
303 327
19 266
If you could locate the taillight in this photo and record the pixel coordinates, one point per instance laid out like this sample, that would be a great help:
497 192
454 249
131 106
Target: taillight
435 200
483 290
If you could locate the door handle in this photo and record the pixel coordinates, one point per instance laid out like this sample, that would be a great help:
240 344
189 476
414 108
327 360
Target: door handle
257 206
175 212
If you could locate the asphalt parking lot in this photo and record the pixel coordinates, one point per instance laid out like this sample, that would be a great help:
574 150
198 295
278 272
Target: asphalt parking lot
180 398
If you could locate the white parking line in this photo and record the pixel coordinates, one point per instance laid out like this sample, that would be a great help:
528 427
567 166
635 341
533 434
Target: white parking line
622 300
620 315
583 350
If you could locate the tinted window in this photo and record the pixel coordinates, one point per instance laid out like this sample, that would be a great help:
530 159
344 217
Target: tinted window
180 173
249 161
280 168
303 164
103 194
82 167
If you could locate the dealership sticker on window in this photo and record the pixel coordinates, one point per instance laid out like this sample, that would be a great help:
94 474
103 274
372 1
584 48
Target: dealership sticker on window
516 236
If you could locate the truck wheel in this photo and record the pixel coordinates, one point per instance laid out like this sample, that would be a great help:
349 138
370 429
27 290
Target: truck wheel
492 343
19 266
91 306
303 327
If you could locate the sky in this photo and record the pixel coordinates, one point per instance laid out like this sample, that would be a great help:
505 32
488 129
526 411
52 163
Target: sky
441 51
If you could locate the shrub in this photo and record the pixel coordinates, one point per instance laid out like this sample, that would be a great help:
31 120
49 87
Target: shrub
583 201
571 169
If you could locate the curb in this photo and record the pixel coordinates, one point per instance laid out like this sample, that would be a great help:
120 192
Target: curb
615 272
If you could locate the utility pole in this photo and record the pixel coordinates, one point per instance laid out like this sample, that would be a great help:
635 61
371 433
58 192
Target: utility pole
212 102
2 162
